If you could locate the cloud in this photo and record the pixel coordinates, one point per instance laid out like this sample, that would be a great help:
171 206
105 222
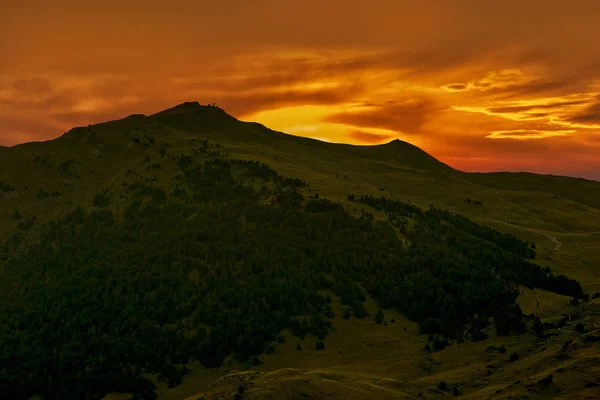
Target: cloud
513 83
526 108
524 134
589 115
371 138
567 112
456 87
407 116
37 85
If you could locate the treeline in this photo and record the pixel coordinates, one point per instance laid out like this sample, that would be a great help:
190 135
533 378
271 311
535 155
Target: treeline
214 269
456 269
508 242
396 209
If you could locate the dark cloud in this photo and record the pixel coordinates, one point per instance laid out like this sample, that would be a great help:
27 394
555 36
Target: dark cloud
242 104
517 109
406 117
534 88
590 115
40 86
366 137
457 86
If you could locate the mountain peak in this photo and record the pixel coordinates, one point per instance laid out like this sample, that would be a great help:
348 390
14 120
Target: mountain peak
187 107
188 104
397 142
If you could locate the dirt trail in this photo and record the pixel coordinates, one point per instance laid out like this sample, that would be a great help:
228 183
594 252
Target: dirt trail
554 240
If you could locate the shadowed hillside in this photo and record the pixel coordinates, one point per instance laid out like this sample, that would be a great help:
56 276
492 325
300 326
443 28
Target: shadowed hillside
159 254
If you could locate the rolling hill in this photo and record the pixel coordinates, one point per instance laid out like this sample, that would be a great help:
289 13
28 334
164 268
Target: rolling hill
237 232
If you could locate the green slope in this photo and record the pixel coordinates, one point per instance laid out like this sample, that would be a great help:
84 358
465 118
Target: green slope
43 181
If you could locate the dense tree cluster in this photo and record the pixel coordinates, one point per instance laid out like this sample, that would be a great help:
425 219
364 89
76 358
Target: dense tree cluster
321 205
456 269
6 187
214 269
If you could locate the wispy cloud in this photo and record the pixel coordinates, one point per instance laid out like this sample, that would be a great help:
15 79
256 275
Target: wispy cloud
524 134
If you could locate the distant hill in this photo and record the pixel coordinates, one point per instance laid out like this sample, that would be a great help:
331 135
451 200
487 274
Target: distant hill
153 255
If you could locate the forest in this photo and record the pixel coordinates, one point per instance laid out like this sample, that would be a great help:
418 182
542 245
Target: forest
217 261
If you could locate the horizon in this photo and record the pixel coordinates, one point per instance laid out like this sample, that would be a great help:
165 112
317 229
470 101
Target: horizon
480 87
287 133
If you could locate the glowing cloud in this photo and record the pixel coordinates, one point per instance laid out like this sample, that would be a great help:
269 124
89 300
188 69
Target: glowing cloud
522 134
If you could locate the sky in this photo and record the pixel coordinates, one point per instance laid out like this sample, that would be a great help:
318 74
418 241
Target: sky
481 85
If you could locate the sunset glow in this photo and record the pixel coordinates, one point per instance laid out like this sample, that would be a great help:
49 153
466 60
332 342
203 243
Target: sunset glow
483 86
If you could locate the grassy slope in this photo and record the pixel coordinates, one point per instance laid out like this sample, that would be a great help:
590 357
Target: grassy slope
384 361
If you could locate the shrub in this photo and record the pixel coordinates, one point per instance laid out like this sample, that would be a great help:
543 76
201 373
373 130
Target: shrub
496 349
439 343
359 310
547 380
101 200
574 301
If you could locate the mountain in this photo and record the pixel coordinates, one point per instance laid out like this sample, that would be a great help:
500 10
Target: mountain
190 254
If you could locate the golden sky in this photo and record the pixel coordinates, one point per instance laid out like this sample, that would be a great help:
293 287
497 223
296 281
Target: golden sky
481 85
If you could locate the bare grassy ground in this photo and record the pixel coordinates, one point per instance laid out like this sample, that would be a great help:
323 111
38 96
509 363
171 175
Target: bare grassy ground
386 362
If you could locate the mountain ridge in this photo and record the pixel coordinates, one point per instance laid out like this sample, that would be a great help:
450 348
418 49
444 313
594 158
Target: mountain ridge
189 183
423 158
255 140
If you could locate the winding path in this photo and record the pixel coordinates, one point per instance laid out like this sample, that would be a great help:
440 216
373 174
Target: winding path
554 240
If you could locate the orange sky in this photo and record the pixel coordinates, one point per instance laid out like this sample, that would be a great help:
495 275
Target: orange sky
481 85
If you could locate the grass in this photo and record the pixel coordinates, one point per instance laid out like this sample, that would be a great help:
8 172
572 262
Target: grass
379 361
376 361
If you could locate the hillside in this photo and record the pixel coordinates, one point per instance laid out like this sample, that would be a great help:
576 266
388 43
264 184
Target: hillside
138 251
